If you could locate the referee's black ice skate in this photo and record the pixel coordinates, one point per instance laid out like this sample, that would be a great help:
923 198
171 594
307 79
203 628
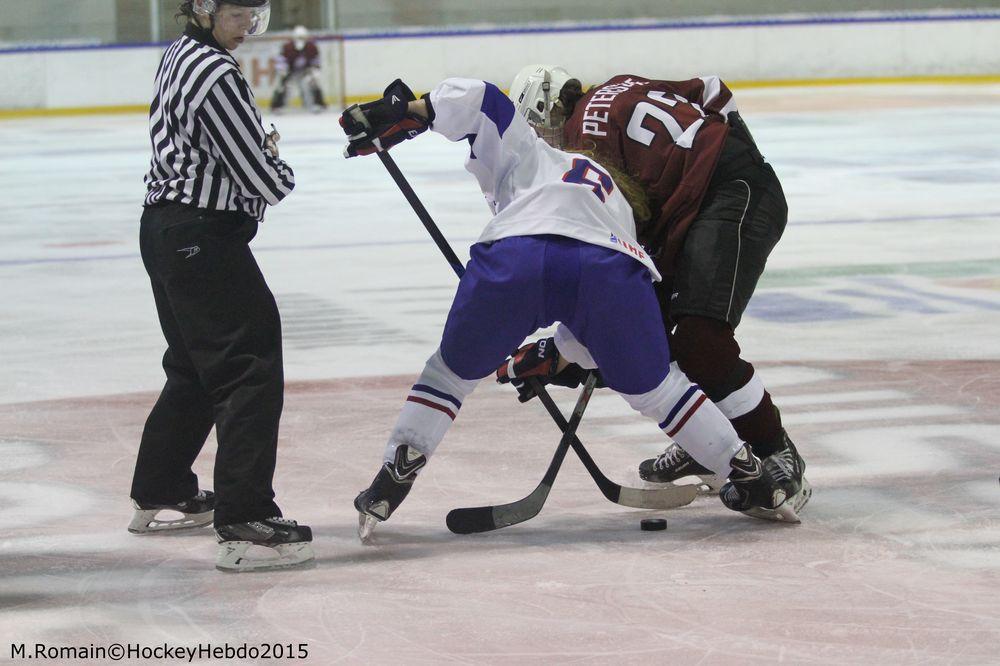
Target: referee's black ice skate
194 512
289 543
388 490
674 464
772 489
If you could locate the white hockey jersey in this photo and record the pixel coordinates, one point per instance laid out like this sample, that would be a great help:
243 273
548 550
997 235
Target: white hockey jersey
532 188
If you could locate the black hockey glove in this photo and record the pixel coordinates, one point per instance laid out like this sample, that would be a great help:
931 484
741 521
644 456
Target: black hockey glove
381 124
540 360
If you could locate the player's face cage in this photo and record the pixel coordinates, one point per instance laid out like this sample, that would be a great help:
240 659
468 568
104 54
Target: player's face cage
550 135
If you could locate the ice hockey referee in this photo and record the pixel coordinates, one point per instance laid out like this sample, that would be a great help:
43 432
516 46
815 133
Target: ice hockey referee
213 173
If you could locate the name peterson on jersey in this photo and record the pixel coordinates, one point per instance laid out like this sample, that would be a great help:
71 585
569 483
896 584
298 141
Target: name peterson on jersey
668 135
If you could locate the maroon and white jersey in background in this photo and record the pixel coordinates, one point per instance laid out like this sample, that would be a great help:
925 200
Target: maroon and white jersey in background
668 134
295 60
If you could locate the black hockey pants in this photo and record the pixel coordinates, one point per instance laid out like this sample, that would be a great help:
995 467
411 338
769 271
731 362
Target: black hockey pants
223 363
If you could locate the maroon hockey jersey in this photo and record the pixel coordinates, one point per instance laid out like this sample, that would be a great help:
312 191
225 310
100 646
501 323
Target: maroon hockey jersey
667 134
296 60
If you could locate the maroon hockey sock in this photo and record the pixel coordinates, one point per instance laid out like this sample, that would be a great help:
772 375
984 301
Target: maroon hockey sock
761 428
707 351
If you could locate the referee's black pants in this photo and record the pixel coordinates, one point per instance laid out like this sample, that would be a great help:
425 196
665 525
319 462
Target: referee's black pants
223 363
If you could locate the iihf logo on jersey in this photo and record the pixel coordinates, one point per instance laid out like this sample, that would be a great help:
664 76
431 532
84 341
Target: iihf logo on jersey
628 246
191 251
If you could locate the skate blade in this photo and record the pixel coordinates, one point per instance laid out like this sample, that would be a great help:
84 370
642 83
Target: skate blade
789 510
144 521
710 484
366 527
232 557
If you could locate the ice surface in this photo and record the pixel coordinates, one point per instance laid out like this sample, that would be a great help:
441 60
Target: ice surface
875 327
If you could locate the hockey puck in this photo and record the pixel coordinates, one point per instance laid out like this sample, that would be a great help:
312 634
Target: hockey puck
652 524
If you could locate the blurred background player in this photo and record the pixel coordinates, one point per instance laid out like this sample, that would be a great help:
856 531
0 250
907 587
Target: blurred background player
717 212
213 174
560 247
299 65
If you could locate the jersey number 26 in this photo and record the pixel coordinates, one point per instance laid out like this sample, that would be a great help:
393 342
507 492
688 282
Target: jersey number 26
683 138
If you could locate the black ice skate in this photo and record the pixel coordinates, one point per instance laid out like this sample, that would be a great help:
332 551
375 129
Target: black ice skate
772 489
195 512
388 490
788 464
289 542
675 464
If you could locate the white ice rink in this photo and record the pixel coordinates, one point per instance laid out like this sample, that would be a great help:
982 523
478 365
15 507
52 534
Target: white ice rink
876 326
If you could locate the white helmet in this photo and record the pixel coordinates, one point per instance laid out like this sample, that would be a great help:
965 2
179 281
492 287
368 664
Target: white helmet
535 91
300 35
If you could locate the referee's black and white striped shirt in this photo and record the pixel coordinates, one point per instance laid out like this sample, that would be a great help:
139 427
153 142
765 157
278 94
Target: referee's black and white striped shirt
207 134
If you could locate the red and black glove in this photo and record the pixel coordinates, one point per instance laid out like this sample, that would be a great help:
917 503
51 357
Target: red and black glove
540 359
381 124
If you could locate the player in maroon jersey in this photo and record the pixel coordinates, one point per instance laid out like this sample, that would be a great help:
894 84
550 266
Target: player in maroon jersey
717 211
299 64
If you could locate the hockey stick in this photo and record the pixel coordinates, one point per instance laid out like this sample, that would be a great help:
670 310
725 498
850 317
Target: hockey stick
665 498
425 217
669 497
404 186
488 518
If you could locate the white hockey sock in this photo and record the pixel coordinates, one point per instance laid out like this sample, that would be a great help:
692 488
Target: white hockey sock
688 417
571 349
430 409
744 399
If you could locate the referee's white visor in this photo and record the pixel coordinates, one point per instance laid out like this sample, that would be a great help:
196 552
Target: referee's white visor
259 12
261 19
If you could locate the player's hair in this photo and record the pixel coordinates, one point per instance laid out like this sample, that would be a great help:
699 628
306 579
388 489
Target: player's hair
633 192
569 95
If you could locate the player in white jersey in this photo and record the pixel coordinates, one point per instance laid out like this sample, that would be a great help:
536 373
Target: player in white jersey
560 248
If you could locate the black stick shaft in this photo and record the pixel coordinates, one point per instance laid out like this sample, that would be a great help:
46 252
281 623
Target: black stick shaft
418 208
610 489
489 518
668 497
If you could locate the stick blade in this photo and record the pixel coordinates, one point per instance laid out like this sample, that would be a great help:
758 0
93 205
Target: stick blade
666 498
471 521
488 518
